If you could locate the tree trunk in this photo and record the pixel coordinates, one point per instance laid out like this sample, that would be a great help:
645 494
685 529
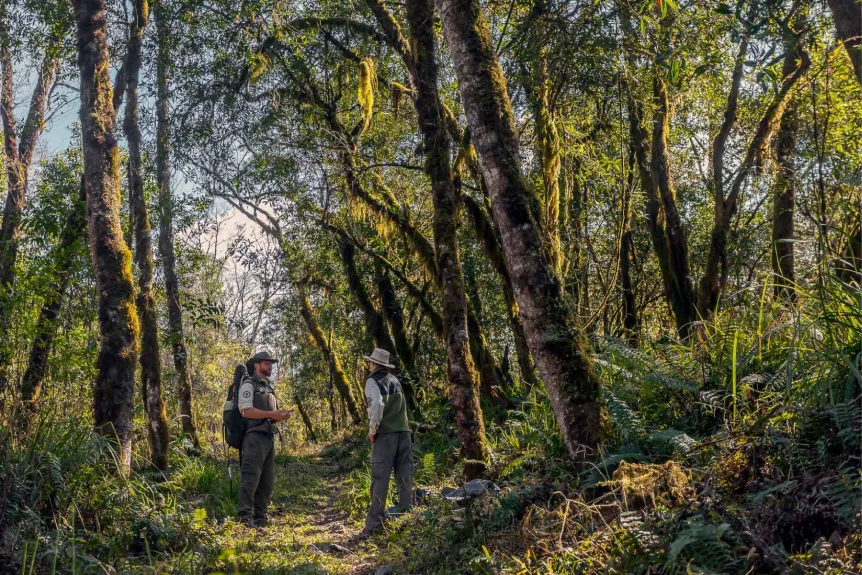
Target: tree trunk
166 233
847 15
548 149
17 156
630 318
46 326
333 415
715 273
652 206
113 394
395 318
488 236
340 379
309 429
150 358
394 315
849 265
560 353
784 201
375 322
577 216
681 295
463 378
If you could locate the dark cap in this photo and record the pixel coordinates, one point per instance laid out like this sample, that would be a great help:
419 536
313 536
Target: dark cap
261 356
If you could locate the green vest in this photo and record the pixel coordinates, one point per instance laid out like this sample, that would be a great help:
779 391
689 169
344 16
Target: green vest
264 398
395 408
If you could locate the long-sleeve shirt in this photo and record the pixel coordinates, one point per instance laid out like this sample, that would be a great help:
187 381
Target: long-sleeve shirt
375 402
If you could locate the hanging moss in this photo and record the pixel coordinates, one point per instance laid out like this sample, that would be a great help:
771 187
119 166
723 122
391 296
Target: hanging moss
365 90
398 92
259 65
358 209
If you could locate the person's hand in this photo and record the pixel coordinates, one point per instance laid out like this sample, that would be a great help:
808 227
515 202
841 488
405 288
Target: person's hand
371 437
280 415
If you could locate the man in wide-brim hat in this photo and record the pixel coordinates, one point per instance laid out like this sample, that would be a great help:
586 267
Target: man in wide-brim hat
389 433
258 405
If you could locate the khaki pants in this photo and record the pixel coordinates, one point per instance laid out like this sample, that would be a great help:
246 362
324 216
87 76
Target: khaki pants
258 476
390 451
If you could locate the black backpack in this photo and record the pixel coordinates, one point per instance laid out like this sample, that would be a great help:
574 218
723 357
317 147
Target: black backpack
234 424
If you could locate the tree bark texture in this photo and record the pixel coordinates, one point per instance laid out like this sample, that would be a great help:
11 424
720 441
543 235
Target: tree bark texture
394 315
715 273
559 351
150 358
548 148
73 232
340 379
17 156
463 377
847 15
113 395
303 413
375 321
166 232
682 294
786 182
630 317
489 238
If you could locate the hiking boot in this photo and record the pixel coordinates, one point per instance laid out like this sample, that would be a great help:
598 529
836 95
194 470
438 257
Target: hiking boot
261 522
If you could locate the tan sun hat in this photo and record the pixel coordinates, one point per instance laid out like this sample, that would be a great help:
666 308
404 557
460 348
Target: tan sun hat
261 356
380 357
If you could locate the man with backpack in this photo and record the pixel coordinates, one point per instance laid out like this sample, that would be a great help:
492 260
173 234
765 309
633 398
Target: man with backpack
389 433
259 408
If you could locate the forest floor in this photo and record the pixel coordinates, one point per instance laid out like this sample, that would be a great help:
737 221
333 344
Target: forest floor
309 532
765 499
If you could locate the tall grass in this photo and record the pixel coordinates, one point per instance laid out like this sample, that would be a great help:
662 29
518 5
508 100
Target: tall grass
65 503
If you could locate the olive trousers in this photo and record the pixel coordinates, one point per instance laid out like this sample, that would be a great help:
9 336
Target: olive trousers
390 451
258 477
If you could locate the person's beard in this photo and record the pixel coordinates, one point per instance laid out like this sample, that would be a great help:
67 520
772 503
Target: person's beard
265 371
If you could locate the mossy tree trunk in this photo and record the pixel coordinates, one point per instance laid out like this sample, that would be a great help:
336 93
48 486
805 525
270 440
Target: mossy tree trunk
681 289
394 316
150 358
665 227
489 237
847 15
786 181
113 393
726 196
537 89
73 233
375 322
464 380
306 420
166 232
630 312
18 149
340 378
559 351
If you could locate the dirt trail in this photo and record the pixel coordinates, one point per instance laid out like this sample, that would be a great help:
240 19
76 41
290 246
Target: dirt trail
309 533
